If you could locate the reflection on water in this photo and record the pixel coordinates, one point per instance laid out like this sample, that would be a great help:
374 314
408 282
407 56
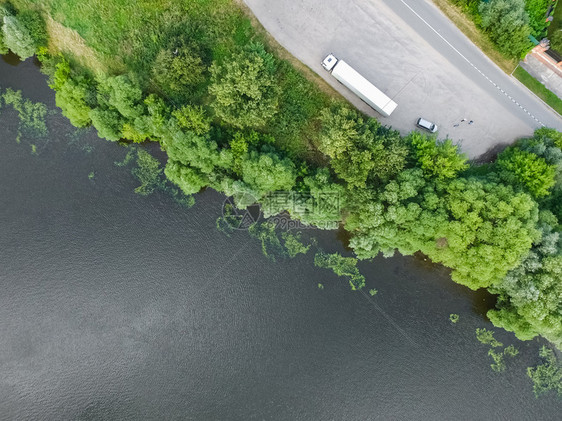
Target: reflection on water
11 59
482 302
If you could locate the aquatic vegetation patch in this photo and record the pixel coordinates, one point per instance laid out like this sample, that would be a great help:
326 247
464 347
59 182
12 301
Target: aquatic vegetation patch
548 375
486 337
293 244
341 266
32 115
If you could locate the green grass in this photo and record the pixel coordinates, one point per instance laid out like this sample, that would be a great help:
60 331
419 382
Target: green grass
539 89
134 32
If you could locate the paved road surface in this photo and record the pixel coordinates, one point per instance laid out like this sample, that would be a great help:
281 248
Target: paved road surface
414 54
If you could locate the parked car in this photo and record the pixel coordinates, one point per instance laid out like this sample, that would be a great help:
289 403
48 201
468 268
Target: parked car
427 125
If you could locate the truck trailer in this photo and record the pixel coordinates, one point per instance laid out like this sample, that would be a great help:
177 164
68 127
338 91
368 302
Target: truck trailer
360 86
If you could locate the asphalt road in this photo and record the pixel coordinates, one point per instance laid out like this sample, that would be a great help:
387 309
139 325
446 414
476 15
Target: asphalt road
413 53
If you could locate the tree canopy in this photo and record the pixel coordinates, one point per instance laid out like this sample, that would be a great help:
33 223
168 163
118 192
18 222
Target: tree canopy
507 24
244 88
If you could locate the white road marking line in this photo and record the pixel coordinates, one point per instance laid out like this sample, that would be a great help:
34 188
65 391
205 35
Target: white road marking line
461 54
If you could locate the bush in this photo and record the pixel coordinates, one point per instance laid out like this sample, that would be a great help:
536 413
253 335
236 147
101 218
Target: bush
193 118
267 172
438 160
189 180
176 72
486 337
270 244
527 170
245 89
73 95
35 25
556 40
3 47
122 94
107 122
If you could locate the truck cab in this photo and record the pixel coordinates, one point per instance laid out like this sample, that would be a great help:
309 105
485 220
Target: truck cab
329 62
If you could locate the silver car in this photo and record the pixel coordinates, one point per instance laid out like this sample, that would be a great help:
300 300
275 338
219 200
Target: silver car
427 125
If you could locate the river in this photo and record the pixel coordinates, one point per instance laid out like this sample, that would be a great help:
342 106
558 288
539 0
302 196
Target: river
115 306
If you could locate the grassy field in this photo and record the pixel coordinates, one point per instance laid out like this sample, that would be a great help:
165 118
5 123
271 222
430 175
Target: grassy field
539 89
465 24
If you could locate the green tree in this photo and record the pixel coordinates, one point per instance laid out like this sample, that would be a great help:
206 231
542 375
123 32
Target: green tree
18 38
506 23
390 154
73 95
340 130
360 150
155 122
490 230
440 160
122 94
394 216
195 151
107 122
536 9
240 145
177 71
4 49
478 228
320 201
348 140
530 296
526 169
266 172
245 89
189 180
193 118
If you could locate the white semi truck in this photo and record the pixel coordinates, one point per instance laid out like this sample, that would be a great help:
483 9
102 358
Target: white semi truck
360 86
